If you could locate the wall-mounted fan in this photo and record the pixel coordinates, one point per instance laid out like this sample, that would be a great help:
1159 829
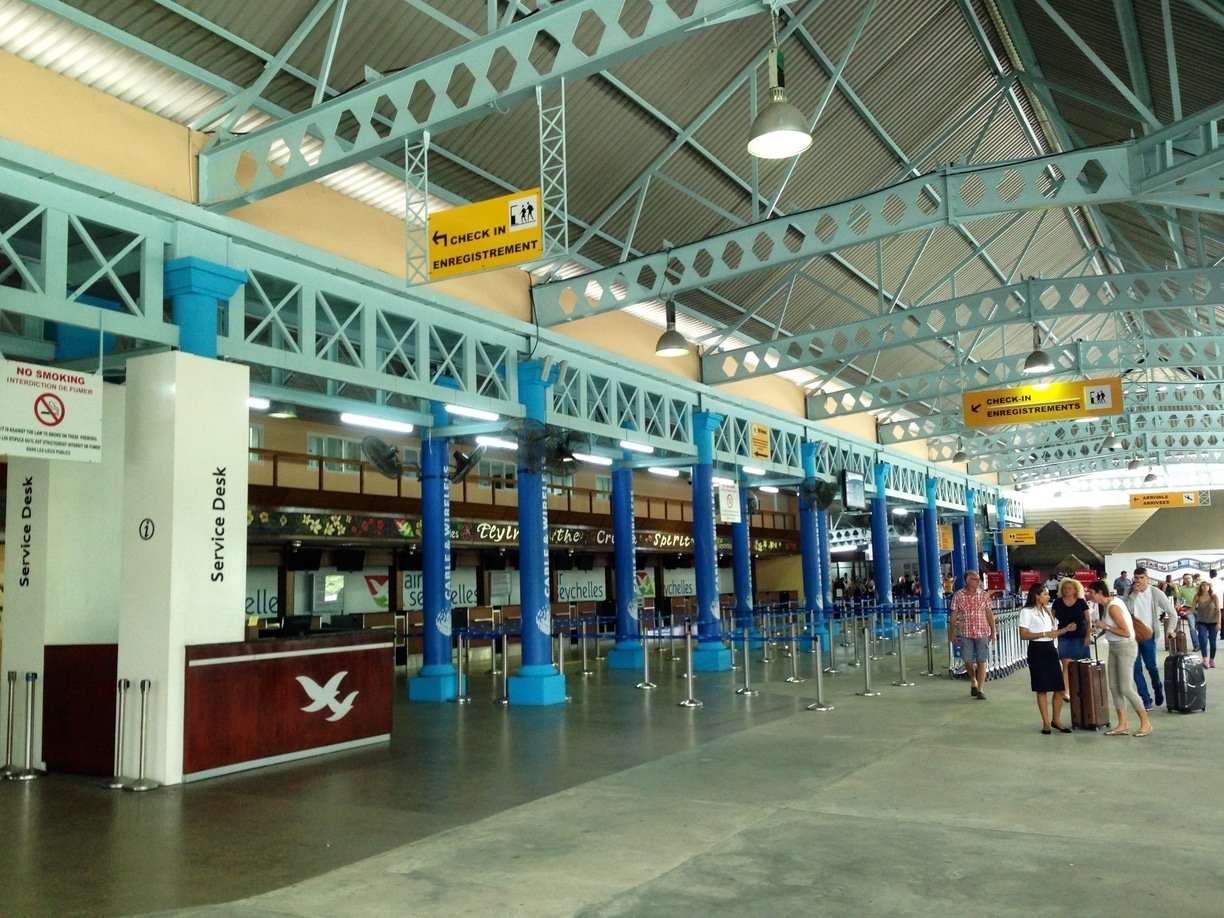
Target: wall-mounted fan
544 449
818 493
383 456
905 525
465 462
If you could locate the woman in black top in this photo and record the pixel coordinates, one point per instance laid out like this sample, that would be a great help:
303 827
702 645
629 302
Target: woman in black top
1071 611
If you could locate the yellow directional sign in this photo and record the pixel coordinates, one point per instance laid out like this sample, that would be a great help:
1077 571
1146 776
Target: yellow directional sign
945 537
759 441
488 234
1019 536
1170 499
1058 401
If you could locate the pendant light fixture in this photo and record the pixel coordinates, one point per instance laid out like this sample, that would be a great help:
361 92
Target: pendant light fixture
671 343
960 455
1038 361
779 130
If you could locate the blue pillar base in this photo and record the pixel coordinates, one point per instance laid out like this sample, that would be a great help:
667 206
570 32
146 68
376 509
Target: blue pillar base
433 683
537 685
711 658
625 655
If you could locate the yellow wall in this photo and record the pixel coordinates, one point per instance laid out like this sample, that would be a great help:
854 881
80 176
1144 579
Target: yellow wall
774 574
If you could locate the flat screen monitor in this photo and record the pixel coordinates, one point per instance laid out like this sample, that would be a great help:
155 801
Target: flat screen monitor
854 491
349 559
299 558
295 626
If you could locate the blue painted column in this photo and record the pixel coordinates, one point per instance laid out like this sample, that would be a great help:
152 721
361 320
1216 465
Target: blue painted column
741 562
1001 547
958 554
627 654
939 617
537 681
880 558
972 561
809 552
710 654
435 681
924 558
194 287
826 576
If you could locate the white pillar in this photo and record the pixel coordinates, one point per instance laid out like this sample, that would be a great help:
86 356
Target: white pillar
61 560
183 535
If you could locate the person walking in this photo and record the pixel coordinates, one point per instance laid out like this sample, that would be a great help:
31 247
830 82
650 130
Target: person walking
1183 602
1153 607
1040 628
1121 584
1071 612
972 622
1207 622
1119 630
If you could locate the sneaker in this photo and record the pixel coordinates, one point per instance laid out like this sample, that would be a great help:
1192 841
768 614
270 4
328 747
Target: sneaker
1147 706
1159 693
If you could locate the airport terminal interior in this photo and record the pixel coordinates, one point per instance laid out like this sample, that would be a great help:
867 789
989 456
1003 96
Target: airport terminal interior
516 456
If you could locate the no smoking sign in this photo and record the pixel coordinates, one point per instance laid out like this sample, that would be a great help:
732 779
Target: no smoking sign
49 409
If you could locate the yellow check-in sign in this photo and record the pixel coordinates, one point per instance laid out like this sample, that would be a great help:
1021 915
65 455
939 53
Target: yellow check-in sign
759 435
945 537
488 234
1058 401
1013 536
1156 499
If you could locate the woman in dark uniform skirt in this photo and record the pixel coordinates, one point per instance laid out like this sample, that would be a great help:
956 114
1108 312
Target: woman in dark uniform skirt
1040 628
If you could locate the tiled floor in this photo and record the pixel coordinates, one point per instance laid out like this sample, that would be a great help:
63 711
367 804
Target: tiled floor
918 801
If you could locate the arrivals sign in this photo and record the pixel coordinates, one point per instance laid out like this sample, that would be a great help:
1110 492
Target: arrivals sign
1157 499
49 413
1013 536
488 234
1059 401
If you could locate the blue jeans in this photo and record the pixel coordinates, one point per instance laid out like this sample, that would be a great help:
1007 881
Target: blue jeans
1147 658
1207 635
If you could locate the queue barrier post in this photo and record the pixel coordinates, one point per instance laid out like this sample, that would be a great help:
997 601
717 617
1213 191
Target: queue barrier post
505 674
461 696
902 680
117 780
794 652
868 691
746 689
819 704
9 770
142 783
690 701
586 667
929 631
646 685
29 773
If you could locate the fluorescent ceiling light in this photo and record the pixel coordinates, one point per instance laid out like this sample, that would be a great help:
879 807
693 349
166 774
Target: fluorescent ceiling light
751 470
907 538
496 443
592 459
718 480
842 549
255 403
636 447
665 471
361 420
768 489
478 414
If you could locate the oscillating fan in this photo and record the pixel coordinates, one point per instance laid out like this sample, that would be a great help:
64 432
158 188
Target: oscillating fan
817 493
383 456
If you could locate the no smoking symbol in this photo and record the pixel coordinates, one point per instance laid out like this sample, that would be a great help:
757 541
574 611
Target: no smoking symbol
49 409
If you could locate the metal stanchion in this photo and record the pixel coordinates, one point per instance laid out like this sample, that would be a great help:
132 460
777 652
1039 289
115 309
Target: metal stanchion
819 704
690 701
854 642
117 780
867 691
562 640
902 679
29 772
874 653
832 669
747 688
671 638
765 642
461 696
505 697
645 684
586 668
8 771
794 653
930 649
142 783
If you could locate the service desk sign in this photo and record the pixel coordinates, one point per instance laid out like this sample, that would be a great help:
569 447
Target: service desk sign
48 413
1060 401
488 234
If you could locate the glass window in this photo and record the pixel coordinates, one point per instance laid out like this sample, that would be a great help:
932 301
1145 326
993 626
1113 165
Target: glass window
255 440
334 448
603 488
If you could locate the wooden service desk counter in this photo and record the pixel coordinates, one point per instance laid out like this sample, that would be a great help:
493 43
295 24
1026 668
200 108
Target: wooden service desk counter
262 702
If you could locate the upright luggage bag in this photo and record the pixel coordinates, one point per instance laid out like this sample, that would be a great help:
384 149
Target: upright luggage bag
1089 695
1185 685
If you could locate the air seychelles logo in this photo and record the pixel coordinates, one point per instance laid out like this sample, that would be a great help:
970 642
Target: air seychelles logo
444 623
543 620
326 696
378 586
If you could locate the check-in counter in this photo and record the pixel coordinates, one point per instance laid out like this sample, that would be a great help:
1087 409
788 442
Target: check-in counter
256 703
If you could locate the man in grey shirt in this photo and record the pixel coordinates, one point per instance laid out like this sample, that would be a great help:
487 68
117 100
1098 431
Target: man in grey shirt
1153 607
1122 584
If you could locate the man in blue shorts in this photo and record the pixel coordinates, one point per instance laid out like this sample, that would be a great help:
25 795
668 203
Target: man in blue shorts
972 622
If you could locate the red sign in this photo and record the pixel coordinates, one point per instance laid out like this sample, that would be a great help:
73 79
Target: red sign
1027 579
1087 578
995 581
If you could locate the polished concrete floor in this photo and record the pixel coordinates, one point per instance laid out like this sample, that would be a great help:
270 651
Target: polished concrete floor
920 801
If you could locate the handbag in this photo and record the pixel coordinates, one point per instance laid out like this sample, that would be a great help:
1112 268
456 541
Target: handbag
1142 631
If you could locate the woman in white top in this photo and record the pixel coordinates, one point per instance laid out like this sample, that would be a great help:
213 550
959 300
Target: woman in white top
1039 627
1115 622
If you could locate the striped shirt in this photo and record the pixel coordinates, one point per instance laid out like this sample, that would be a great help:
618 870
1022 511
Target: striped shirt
971 609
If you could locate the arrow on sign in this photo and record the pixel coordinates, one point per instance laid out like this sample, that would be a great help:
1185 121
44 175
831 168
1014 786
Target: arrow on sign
975 407
439 238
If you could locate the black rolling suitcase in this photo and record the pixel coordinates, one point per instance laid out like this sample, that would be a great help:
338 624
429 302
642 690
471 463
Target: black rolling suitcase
1184 683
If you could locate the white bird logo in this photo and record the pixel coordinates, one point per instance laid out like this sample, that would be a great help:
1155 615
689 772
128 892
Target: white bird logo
324 696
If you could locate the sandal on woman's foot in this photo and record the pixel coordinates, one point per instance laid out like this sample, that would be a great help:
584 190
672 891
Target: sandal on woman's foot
1147 732
1060 728
1045 730
1117 732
